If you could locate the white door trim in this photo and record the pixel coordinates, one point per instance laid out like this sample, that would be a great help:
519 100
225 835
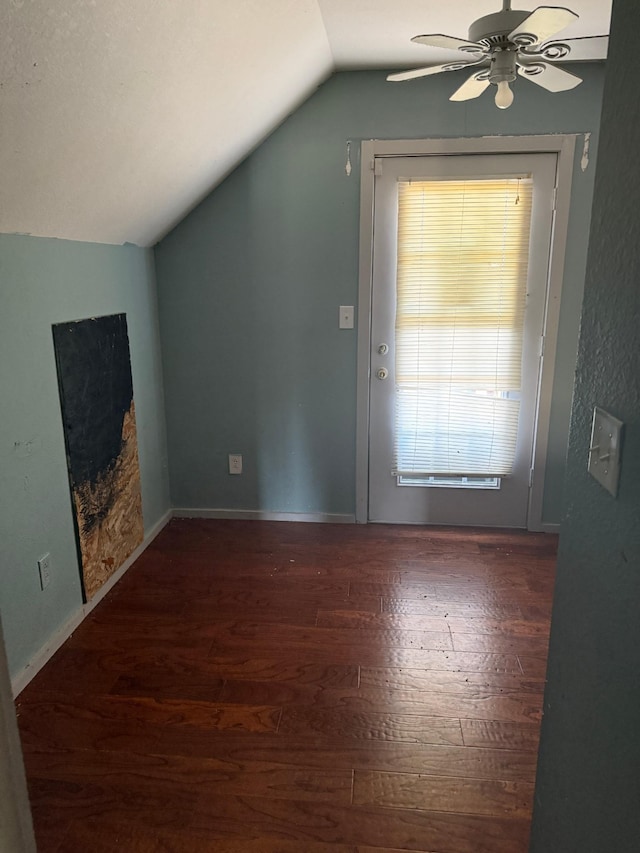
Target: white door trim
561 144
16 828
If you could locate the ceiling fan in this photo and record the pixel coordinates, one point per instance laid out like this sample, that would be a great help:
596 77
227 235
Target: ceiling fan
513 42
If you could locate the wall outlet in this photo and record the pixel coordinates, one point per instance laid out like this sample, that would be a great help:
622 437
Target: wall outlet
235 463
44 567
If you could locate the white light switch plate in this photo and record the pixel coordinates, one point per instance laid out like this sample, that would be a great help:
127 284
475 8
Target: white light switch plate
604 452
346 316
44 567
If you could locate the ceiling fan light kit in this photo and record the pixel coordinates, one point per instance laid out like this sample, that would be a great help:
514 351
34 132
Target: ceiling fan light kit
502 72
509 43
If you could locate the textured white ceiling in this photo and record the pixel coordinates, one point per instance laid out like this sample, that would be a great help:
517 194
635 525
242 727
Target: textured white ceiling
117 116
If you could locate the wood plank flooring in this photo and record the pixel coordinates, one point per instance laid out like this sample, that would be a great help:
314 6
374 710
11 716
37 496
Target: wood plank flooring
299 688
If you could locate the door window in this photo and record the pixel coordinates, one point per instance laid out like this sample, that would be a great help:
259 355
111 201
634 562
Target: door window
462 265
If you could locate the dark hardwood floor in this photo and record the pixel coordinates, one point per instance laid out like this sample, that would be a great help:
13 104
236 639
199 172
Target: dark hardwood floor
299 688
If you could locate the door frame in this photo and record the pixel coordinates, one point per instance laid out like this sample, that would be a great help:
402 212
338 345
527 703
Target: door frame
563 145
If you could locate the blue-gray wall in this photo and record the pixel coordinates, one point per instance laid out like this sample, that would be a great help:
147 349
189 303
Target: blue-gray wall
588 788
251 281
43 282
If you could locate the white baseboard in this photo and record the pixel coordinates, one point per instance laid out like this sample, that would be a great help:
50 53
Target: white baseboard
20 681
259 515
545 528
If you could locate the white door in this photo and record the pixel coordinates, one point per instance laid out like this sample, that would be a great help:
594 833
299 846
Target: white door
460 268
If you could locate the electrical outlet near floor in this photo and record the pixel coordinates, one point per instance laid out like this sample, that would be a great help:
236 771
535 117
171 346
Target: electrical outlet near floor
44 567
235 463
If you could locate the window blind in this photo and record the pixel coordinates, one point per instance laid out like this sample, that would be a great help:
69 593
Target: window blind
461 293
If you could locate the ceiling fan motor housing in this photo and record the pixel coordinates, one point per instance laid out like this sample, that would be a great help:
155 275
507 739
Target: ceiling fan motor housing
492 30
503 65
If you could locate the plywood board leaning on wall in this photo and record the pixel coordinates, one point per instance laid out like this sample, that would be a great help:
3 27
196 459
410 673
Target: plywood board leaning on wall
98 413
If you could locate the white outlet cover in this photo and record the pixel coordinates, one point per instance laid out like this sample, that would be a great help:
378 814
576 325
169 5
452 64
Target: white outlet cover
604 451
235 463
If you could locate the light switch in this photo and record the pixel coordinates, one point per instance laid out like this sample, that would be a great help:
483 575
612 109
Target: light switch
604 452
346 316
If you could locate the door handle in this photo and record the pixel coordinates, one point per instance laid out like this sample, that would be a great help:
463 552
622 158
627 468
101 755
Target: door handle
383 349
382 373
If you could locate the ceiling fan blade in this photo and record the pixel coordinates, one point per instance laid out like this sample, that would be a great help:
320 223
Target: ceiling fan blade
550 77
473 87
543 23
449 43
433 69
588 49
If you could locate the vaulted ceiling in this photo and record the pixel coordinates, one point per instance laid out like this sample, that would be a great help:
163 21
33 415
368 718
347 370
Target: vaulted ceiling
118 116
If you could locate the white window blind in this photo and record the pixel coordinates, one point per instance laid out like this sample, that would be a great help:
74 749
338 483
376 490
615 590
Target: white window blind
461 293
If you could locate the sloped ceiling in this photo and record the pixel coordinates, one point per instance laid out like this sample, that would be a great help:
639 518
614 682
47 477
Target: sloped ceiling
118 116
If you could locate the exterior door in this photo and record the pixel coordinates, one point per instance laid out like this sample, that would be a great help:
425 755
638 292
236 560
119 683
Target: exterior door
460 268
